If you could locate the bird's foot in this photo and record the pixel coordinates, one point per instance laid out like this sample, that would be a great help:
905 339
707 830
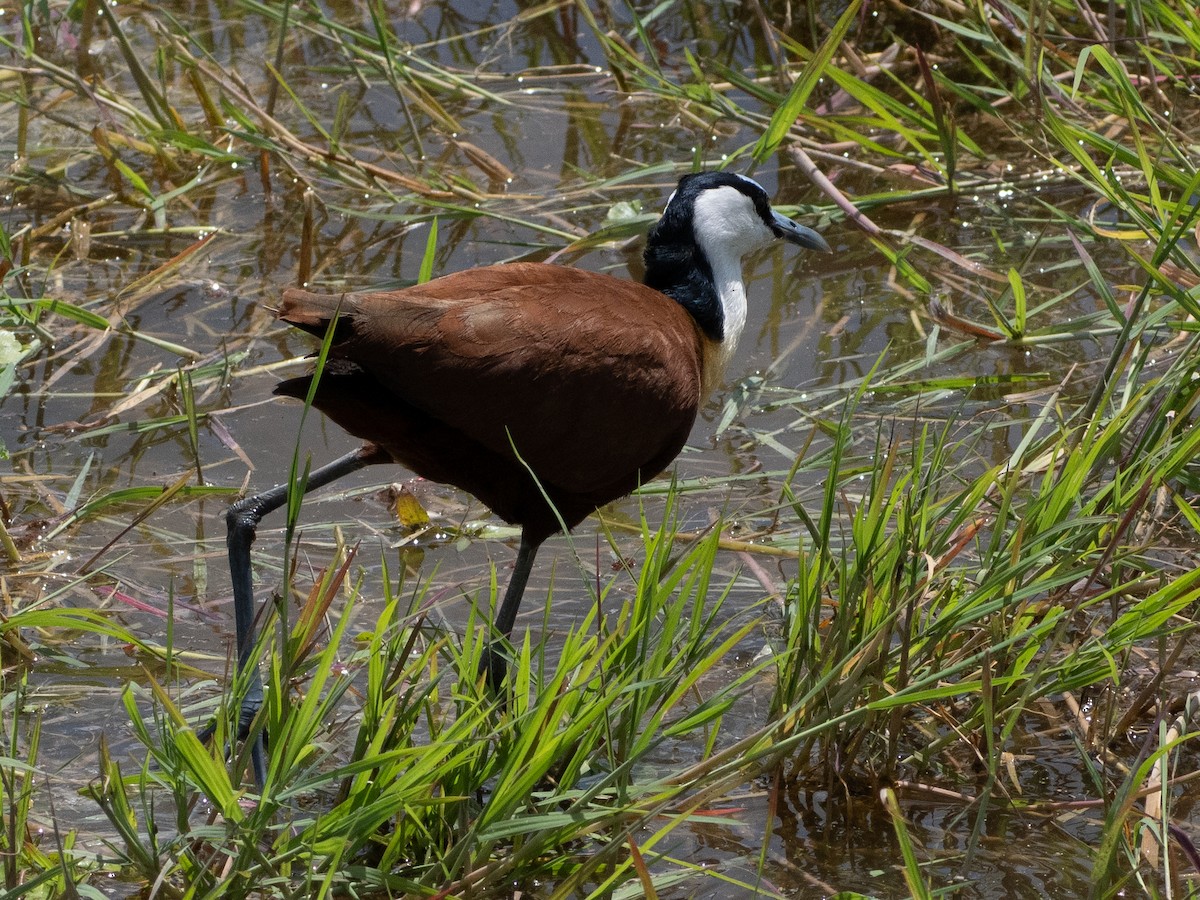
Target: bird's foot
493 666
246 716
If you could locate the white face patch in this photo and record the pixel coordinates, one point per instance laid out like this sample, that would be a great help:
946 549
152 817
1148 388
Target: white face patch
726 227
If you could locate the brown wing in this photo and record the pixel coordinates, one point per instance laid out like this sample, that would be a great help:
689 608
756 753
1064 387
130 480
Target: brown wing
596 380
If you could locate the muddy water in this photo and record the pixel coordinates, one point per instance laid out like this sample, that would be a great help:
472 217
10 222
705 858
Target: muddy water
557 121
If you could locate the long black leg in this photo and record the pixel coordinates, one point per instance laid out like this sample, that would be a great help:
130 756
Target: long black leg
242 520
494 662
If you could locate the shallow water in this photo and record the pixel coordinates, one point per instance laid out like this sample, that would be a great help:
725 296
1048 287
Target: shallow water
557 122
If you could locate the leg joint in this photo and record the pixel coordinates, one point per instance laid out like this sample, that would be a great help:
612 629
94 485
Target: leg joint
244 515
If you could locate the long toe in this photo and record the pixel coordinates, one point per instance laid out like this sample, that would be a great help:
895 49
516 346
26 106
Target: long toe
246 718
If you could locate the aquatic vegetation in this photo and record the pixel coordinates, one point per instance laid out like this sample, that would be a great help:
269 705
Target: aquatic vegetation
921 587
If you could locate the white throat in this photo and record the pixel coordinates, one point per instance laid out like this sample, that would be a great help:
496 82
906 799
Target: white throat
727 274
726 228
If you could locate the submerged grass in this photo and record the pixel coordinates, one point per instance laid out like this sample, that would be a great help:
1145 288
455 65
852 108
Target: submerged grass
988 526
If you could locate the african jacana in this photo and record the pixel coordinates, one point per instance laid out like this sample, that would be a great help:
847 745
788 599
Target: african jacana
479 378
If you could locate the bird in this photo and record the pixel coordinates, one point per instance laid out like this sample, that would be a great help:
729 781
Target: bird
543 390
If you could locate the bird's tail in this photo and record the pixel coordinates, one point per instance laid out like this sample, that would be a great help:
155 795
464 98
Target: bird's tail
312 312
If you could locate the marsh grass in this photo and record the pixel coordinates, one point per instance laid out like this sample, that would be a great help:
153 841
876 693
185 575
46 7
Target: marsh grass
921 596
431 782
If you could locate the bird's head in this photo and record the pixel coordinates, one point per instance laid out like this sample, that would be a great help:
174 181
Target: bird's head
727 214
694 252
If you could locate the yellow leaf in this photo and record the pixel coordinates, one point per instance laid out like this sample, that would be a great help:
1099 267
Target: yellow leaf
409 511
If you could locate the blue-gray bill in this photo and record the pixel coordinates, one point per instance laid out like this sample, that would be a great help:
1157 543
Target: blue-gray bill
799 234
